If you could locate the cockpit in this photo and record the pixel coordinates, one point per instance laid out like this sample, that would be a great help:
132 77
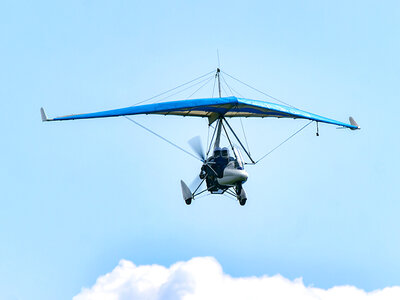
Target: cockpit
222 157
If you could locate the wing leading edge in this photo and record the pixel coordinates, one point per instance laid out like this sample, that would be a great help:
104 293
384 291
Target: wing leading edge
211 108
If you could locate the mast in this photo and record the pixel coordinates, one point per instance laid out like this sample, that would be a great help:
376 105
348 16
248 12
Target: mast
219 120
219 81
218 136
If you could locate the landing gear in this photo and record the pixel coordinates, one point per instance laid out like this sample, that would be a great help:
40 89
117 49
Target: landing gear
241 195
186 193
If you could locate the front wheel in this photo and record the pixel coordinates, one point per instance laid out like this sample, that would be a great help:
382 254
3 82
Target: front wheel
188 201
241 195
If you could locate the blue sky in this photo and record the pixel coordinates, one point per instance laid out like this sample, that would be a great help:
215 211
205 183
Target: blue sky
79 196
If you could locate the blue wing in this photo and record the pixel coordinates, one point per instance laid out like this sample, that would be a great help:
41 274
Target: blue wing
212 108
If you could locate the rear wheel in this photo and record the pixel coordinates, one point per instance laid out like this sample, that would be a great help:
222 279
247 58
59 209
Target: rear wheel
242 202
188 201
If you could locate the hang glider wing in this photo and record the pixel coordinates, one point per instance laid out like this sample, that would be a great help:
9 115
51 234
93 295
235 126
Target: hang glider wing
212 108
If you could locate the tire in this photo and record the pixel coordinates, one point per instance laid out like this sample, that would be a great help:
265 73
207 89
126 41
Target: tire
188 201
241 195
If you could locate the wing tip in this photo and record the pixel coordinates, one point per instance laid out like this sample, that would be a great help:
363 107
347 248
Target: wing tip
43 115
354 123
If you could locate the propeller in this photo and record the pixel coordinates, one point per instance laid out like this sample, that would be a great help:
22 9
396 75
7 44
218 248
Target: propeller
196 145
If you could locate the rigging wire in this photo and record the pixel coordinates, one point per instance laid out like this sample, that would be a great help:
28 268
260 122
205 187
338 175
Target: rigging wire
227 84
178 92
241 123
208 134
170 90
224 89
237 138
215 80
231 88
231 193
298 131
228 196
245 137
272 98
200 87
163 138
202 196
229 140
265 94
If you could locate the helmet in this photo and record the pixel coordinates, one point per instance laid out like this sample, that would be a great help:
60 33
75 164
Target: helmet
225 152
217 152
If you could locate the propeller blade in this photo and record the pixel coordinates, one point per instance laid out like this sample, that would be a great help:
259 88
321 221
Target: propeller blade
196 145
195 184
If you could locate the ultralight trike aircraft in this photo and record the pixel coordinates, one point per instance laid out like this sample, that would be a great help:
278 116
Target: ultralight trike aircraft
223 167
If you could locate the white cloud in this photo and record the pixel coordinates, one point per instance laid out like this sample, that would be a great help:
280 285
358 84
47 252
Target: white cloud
203 278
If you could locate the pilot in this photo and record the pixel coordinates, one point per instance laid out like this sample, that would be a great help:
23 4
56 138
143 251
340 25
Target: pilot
221 160
217 162
225 156
225 153
217 152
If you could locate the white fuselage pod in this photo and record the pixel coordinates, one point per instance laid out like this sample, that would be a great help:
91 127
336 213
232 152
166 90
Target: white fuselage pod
232 176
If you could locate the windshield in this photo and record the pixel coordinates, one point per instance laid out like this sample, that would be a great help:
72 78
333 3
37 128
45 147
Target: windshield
239 159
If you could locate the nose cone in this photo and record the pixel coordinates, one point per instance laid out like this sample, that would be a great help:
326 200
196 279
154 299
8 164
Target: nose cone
241 175
233 176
